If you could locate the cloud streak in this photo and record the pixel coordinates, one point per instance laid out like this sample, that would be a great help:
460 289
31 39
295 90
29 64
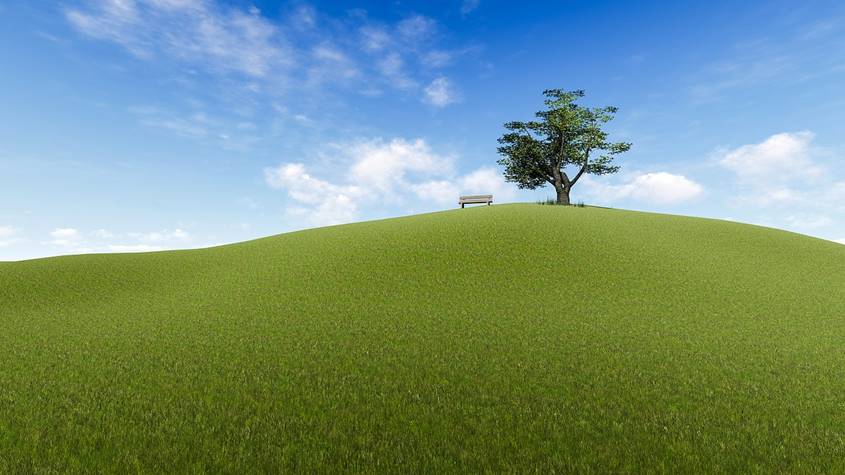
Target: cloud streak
197 32
440 93
298 52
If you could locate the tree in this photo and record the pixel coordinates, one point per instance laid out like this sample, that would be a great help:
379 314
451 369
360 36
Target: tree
566 134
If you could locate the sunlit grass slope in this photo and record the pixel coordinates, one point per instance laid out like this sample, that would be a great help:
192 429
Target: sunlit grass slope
496 338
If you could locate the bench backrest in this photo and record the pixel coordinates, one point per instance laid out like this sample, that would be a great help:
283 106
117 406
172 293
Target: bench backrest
477 198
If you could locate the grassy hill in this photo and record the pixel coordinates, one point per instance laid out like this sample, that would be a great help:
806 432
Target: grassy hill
494 338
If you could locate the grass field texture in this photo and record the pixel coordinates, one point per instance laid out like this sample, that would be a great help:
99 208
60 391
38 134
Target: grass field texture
503 338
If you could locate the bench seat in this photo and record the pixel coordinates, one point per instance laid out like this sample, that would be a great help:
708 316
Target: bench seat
475 199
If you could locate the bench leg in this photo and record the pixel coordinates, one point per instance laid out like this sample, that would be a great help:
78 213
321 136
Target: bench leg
462 206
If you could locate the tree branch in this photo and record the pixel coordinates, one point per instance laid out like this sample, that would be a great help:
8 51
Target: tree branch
527 131
583 166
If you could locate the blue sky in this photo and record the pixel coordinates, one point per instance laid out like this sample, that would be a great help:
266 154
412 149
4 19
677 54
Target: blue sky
132 125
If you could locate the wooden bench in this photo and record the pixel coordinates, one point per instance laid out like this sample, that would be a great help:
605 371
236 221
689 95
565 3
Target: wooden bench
475 199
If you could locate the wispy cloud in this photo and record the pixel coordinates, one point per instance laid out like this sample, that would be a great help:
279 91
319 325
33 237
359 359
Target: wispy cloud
790 59
254 60
392 67
408 55
75 241
741 73
331 65
440 93
228 39
199 32
374 38
228 132
438 58
468 6
304 17
416 28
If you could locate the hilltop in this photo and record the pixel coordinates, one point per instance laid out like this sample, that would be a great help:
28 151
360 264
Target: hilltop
510 337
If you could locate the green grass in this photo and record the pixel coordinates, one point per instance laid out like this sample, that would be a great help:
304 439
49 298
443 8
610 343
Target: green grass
503 338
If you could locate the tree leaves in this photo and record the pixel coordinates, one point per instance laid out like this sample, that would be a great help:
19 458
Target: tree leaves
535 153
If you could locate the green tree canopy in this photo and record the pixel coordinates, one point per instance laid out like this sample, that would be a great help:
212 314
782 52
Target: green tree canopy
566 134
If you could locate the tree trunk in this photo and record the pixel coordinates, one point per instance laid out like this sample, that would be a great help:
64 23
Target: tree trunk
562 196
561 184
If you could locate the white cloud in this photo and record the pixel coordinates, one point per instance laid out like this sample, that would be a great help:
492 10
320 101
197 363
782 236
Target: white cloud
331 65
440 93
840 241
64 237
250 55
172 4
7 235
133 248
304 120
438 58
64 233
200 32
407 52
73 238
657 187
102 234
380 166
161 236
438 191
68 240
333 209
778 159
772 196
783 170
785 181
374 38
416 27
392 67
484 181
327 203
808 222
380 172
326 52
306 189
